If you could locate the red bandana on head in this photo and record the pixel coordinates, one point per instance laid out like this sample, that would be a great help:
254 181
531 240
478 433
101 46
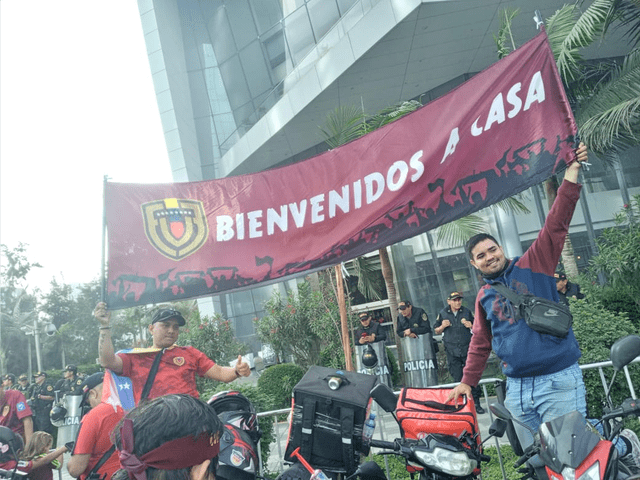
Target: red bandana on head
179 453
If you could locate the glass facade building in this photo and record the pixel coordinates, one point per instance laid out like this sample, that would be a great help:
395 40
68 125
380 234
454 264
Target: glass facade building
242 86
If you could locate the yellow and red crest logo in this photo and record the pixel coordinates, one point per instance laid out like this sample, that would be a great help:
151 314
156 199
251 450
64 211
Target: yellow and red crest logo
179 361
175 227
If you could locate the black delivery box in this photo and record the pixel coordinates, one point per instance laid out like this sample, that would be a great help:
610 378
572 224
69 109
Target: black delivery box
327 424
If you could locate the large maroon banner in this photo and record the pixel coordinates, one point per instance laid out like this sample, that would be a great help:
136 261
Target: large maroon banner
507 128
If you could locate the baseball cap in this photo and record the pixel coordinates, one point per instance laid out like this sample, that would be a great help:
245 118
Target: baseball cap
166 314
10 376
23 377
71 368
40 374
454 295
560 276
92 381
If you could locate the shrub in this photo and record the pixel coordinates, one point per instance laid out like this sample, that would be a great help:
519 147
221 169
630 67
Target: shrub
596 329
396 378
277 383
616 301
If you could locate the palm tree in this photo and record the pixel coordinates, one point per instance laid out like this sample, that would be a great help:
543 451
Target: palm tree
604 96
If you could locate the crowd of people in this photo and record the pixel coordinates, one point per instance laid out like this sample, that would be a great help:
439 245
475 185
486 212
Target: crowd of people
158 372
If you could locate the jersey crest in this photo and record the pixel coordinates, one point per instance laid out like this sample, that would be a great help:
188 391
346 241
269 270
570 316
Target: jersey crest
179 361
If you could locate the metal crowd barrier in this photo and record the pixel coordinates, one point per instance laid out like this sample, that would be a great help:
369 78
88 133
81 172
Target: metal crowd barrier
380 427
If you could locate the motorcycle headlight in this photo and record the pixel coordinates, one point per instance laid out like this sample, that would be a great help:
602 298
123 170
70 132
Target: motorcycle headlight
452 463
592 473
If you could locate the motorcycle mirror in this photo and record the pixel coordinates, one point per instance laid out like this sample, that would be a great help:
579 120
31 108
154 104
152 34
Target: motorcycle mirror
369 470
497 428
624 350
384 396
500 411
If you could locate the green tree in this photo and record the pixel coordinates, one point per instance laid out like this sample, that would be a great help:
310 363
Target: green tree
305 324
70 308
618 258
17 307
213 336
596 328
58 306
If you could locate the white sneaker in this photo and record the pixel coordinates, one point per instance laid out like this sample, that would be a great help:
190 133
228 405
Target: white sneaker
632 458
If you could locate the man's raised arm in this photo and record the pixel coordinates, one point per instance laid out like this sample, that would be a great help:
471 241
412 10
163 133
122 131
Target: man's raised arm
572 171
108 359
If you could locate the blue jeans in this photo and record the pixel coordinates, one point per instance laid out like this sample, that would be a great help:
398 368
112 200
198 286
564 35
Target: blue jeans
535 400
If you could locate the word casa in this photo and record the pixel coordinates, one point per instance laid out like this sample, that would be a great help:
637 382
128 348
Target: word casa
498 113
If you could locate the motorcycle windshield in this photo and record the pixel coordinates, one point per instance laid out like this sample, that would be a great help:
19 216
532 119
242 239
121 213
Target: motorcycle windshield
567 441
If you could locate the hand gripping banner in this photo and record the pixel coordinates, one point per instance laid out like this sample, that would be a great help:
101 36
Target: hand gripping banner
507 128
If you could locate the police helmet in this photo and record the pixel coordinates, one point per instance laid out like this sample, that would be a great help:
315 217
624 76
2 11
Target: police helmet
58 412
369 357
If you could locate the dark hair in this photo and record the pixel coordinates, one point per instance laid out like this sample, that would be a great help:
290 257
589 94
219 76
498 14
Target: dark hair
164 419
476 239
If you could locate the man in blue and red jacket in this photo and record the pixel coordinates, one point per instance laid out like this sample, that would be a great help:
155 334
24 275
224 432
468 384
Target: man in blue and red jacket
544 380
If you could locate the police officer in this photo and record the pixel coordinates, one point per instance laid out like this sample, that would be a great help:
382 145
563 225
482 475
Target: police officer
454 322
369 331
42 397
412 321
24 386
71 384
9 382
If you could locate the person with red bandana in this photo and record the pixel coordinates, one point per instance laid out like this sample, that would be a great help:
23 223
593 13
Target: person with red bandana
175 437
178 365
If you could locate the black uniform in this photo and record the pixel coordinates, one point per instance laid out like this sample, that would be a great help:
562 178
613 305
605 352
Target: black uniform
573 290
41 407
26 390
374 327
418 322
70 386
456 338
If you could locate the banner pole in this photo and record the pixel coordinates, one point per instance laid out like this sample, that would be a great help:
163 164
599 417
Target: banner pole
103 286
346 345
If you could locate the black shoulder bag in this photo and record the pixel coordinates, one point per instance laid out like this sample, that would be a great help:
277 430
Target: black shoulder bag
93 474
542 315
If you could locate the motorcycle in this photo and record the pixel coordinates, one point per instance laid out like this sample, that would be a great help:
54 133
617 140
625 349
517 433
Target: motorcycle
435 456
570 447
238 457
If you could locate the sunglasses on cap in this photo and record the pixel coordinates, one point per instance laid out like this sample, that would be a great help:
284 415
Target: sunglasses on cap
166 314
